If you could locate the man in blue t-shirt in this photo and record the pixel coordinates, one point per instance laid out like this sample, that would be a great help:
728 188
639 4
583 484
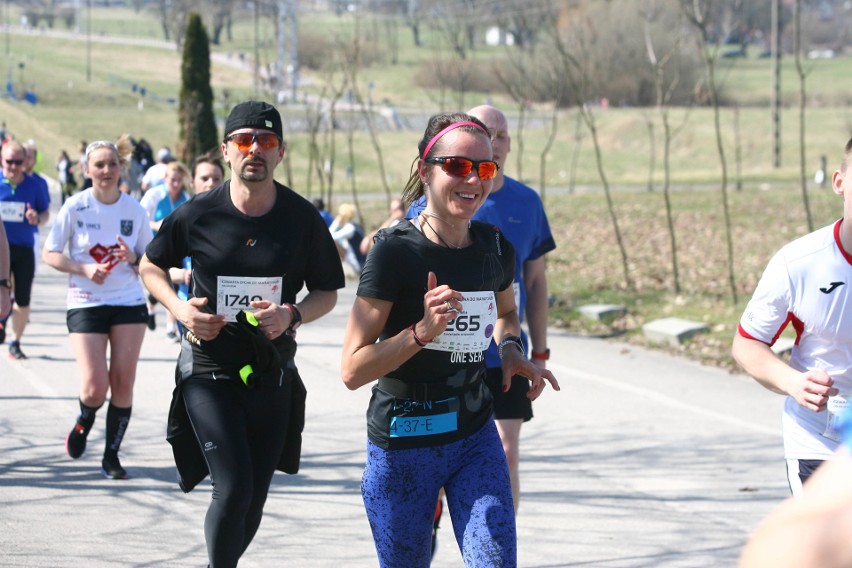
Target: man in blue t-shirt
519 213
22 205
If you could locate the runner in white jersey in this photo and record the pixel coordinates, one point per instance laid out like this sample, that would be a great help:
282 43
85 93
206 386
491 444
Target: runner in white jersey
810 531
105 233
807 284
89 227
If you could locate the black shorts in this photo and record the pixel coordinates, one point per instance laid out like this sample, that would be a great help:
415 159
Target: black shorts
513 404
99 319
798 472
22 268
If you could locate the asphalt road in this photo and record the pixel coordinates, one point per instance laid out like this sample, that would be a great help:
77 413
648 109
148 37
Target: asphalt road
643 460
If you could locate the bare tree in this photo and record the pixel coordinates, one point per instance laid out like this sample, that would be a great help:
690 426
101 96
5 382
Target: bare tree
575 68
802 74
351 59
518 83
575 153
413 17
453 19
523 21
221 14
652 12
174 15
556 85
652 150
707 19
548 87
316 116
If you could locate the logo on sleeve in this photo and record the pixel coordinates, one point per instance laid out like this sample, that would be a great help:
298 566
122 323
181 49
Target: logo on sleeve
251 242
831 287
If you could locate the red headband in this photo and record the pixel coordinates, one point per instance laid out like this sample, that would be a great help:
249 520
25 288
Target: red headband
453 126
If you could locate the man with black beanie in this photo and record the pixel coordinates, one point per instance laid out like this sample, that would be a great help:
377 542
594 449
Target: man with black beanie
238 407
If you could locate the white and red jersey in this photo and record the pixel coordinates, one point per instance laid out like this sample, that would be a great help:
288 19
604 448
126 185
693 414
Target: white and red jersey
90 229
808 284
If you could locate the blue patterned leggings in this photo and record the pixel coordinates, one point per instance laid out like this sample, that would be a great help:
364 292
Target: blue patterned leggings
400 489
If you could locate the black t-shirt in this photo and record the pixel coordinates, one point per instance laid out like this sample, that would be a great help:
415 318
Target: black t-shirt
396 270
291 241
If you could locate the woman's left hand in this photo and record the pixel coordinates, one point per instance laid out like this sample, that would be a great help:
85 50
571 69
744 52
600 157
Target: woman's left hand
515 363
125 253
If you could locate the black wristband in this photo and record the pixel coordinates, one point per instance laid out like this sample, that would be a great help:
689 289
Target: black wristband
295 317
509 340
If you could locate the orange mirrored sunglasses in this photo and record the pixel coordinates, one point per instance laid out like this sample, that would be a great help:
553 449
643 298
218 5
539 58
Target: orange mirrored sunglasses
245 140
457 166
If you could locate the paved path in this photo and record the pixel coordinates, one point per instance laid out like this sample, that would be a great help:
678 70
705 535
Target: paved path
641 461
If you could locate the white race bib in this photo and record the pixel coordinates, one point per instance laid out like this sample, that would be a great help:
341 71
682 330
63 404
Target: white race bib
834 411
473 328
235 293
13 211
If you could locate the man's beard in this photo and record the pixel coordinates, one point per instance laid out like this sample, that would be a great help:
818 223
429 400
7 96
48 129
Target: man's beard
260 172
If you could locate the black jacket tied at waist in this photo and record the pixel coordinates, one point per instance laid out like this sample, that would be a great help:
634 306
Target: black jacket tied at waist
189 458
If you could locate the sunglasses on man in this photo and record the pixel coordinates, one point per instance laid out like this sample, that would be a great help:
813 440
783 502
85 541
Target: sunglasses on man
457 166
245 140
14 162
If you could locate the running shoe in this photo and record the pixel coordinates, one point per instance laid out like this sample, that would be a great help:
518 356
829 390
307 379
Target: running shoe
172 336
111 468
152 322
75 443
15 351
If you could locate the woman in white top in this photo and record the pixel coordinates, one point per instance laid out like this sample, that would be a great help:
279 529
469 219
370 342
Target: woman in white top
342 229
98 238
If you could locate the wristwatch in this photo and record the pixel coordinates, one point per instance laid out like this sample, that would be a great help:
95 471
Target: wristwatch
542 356
4 283
295 318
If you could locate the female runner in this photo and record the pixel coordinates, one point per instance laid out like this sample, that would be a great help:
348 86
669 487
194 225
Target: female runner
434 292
105 232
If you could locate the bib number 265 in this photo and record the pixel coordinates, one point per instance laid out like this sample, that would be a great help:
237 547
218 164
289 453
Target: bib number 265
464 323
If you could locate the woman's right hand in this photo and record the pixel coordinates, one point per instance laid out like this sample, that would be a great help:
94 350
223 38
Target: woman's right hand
97 273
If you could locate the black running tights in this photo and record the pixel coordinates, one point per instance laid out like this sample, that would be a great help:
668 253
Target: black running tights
241 432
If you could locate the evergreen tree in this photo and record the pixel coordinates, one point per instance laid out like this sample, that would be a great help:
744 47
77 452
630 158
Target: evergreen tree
197 125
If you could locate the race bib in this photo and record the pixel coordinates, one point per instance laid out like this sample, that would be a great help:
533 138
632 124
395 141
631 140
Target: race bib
405 426
834 411
473 328
235 293
13 211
